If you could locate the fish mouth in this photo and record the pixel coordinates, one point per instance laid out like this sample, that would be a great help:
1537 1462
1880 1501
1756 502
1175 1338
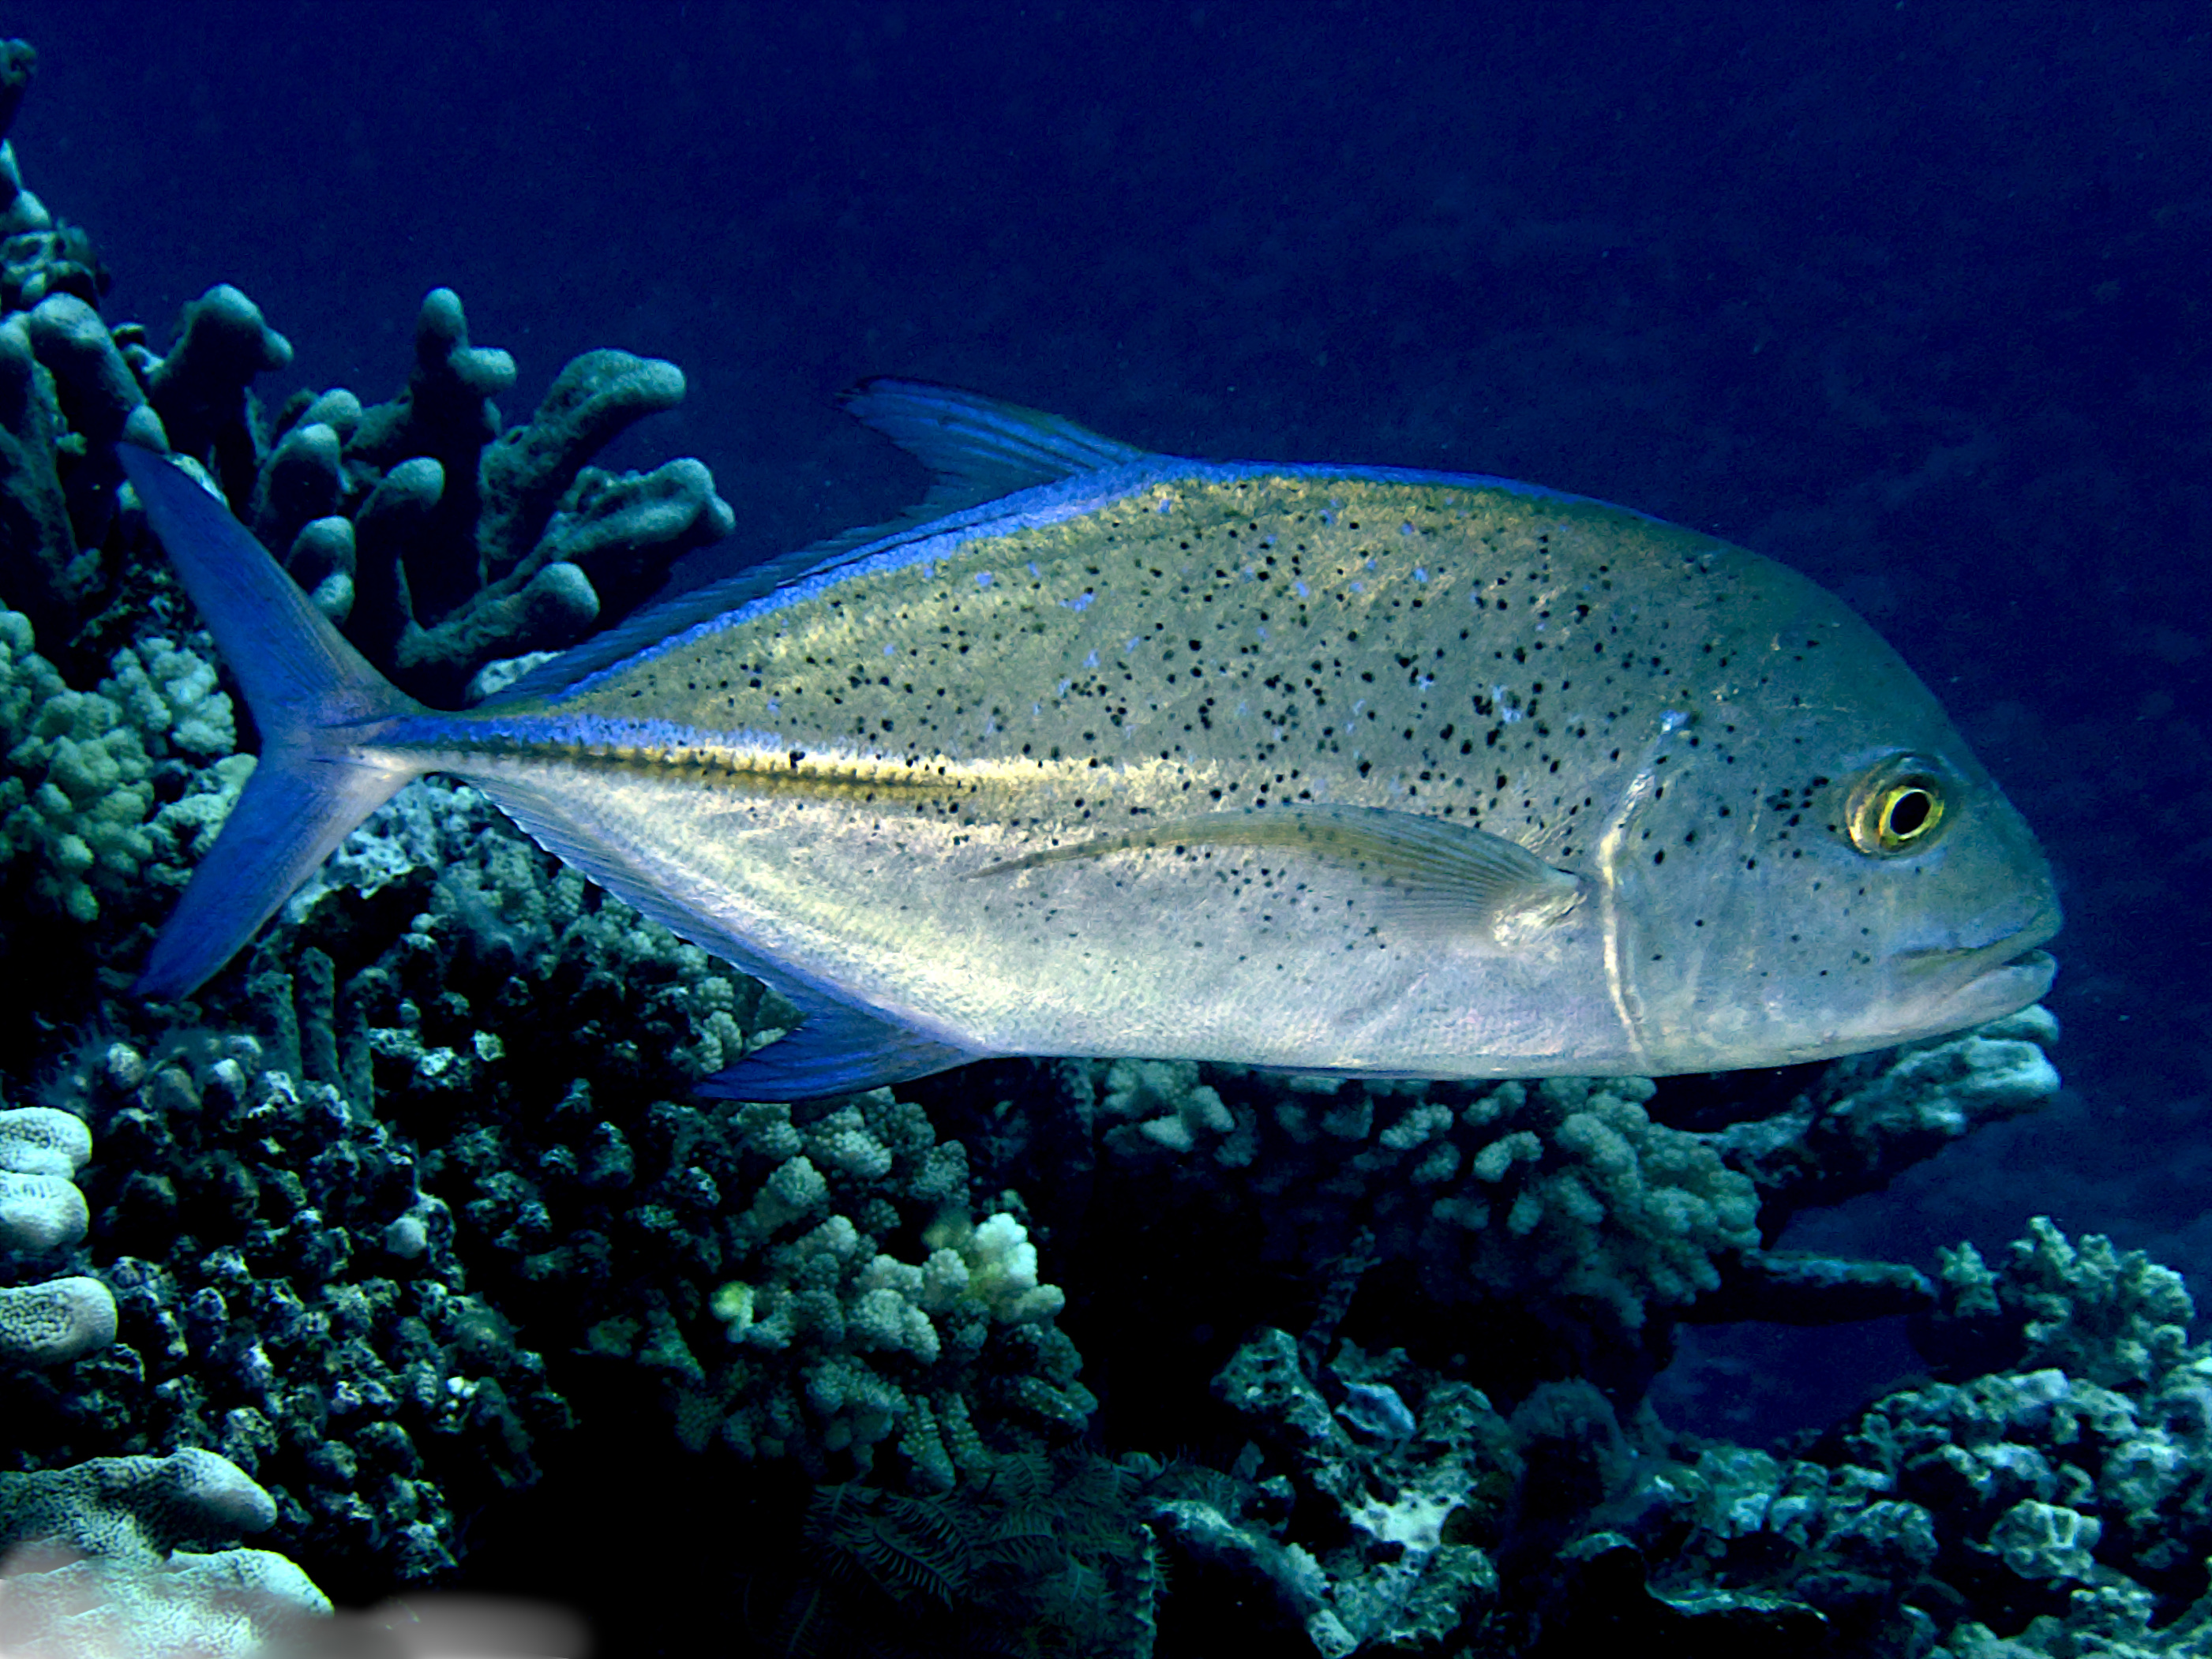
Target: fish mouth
1988 982
2034 967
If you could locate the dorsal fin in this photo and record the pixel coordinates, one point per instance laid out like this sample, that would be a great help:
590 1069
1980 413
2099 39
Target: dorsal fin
978 448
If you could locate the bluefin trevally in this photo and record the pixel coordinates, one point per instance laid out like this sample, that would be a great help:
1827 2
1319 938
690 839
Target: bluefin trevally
1347 769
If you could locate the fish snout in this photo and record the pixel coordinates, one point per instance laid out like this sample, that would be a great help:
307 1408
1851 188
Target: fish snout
1993 972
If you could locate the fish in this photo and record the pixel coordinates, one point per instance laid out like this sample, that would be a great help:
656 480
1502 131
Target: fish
1351 770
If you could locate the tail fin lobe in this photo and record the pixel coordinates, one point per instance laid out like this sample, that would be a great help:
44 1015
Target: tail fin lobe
307 688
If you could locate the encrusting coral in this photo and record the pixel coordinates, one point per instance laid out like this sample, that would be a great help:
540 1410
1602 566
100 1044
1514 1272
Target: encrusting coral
41 1210
134 1556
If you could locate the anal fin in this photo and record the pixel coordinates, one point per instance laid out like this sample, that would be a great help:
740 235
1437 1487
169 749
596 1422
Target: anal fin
837 1050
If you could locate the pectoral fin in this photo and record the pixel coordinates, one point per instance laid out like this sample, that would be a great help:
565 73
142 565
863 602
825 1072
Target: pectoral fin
1426 871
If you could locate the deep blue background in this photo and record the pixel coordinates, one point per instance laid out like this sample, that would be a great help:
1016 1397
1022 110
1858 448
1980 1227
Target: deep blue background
1911 296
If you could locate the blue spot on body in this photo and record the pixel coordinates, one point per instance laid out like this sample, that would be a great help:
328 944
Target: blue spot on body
1301 587
982 578
1132 645
1081 602
890 651
1405 530
1034 571
1420 574
1091 661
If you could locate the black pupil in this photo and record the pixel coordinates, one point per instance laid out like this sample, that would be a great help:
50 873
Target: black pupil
1908 813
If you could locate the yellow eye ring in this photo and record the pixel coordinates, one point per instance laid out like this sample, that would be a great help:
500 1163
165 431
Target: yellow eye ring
1897 808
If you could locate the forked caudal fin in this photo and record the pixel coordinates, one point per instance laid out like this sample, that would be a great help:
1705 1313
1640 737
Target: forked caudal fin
309 690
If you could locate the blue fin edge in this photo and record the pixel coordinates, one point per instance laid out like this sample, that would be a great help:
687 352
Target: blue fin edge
309 690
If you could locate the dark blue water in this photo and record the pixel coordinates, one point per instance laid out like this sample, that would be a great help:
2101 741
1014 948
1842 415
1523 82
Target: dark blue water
1909 295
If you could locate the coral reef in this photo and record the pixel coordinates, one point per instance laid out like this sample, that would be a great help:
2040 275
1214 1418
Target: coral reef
134 1556
40 1211
441 542
405 1194
2047 1497
112 793
1411 1490
289 1297
1565 1192
114 1554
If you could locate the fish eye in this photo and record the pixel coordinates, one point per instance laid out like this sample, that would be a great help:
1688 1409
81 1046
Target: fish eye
1898 807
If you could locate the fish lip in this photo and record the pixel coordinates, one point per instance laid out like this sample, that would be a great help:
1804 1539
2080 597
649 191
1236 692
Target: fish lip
2009 950
1964 985
2002 986
2034 962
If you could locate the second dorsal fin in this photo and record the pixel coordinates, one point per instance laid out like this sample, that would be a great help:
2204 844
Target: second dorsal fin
978 448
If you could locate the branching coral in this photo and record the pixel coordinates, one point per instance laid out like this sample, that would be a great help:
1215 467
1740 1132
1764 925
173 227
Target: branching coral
841 1344
1565 1191
441 542
1870 1115
289 1297
2061 1481
114 793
